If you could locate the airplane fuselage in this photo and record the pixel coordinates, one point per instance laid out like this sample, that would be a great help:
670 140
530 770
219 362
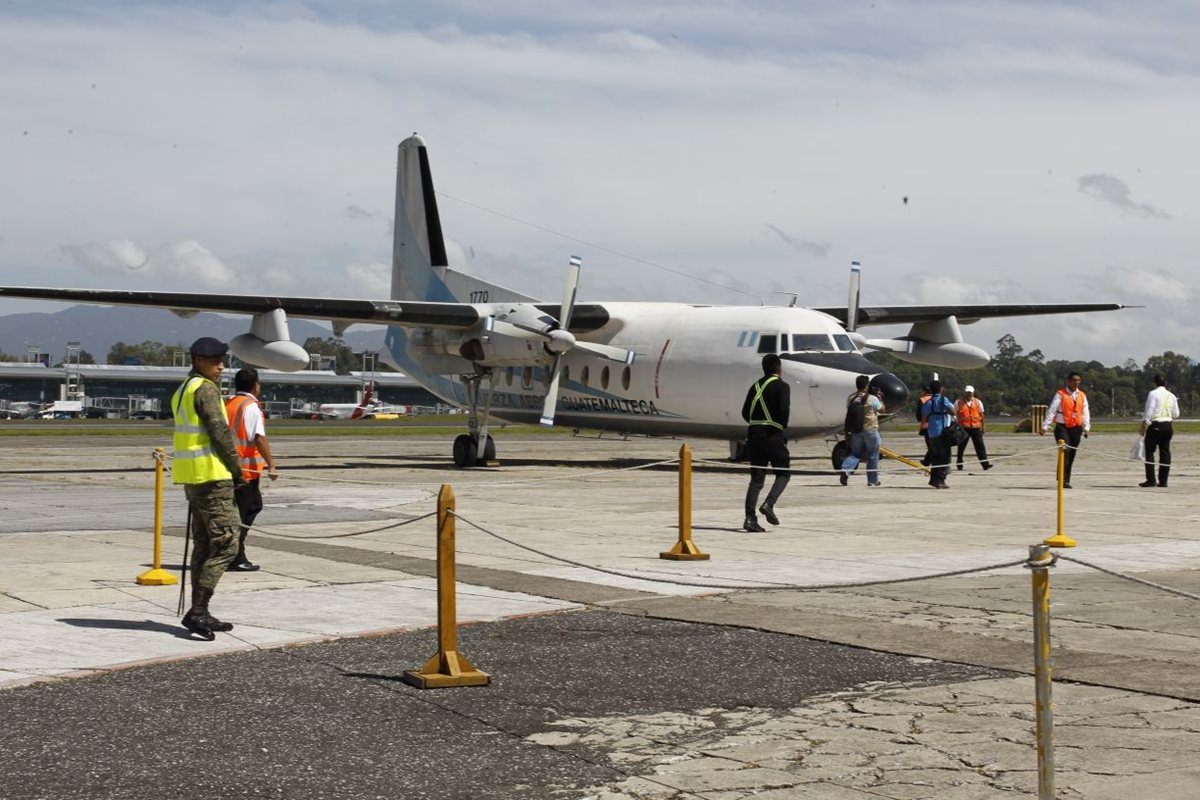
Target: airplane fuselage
693 366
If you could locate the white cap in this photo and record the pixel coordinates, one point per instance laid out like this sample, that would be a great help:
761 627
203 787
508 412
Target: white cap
969 388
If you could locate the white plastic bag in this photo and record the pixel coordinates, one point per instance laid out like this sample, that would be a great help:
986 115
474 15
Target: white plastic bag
1138 451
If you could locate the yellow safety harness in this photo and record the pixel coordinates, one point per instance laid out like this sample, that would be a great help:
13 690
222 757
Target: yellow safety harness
760 402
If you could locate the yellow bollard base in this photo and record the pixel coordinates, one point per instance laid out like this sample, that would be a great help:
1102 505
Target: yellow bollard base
435 680
684 550
156 577
446 669
1059 540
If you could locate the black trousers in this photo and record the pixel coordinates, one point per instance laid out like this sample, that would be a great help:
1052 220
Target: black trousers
249 502
1072 436
939 458
761 452
975 436
1158 437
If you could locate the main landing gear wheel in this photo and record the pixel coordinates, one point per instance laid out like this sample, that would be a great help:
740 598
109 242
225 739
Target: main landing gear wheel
840 451
464 451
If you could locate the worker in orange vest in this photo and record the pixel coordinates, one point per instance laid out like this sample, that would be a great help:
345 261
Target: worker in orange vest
1068 413
969 411
246 420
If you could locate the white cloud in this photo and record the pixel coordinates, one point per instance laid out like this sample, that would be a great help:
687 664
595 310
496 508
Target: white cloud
186 261
672 132
117 256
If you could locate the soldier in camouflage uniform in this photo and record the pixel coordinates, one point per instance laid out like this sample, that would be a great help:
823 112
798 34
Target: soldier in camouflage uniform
206 463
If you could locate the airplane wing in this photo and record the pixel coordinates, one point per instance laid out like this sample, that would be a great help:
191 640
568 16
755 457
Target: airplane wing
899 315
586 317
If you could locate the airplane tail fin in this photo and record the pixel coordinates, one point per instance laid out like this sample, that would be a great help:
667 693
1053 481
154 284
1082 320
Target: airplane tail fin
420 268
365 404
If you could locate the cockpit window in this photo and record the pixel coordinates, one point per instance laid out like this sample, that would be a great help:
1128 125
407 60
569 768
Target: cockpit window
766 343
843 342
810 341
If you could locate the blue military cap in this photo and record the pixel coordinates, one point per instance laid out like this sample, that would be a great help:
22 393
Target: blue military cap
208 347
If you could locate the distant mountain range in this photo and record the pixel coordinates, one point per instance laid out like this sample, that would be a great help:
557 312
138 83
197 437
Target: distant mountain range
98 328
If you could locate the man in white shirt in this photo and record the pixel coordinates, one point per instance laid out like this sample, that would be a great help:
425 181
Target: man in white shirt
1072 420
1162 406
250 435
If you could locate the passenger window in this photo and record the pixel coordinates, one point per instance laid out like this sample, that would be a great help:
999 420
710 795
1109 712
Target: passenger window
625 378
810 341
766 343
527 377
583 376
604 378
566 375
508 373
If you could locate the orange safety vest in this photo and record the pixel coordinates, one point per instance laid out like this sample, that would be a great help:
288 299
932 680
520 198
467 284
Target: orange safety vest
970 413
252 463
920 405
1072 409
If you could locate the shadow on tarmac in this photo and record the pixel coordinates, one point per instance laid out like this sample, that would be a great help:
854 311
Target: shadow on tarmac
129 625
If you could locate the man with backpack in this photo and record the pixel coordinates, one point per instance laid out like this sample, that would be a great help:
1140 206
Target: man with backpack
862 428
939 412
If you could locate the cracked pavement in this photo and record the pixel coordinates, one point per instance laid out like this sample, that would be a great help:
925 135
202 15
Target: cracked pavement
603 687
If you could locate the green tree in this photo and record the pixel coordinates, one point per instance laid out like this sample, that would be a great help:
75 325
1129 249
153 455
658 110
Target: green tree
149 354
345 361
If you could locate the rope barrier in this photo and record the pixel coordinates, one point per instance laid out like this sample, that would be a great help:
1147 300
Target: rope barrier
758 587
279 534
1128 577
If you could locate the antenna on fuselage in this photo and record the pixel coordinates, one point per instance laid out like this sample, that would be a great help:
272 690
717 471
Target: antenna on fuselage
794 295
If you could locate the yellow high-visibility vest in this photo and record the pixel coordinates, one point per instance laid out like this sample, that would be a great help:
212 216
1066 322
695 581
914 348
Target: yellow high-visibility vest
194 459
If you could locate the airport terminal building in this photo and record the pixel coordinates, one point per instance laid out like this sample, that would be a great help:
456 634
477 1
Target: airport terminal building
107 390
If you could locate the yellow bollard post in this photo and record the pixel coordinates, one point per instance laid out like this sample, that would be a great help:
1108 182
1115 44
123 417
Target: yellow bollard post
1060 539
447 667
1039 563
1036 415
685 549
157 576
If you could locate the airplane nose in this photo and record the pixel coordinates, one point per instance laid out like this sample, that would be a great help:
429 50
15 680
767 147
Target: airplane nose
892 391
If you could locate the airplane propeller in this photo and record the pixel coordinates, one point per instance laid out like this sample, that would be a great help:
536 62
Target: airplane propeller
520 320
550 404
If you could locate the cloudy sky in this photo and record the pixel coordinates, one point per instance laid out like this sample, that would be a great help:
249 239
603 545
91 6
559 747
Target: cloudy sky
692 151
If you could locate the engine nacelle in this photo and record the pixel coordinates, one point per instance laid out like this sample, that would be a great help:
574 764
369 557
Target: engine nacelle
283 355
951 355
501 350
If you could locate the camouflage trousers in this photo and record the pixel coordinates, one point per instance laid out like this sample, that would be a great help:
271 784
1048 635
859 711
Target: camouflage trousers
215 528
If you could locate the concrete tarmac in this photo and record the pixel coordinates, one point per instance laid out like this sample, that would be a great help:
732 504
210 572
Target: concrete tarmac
653 679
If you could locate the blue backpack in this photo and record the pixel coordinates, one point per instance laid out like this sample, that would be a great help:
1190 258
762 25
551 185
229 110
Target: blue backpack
937 411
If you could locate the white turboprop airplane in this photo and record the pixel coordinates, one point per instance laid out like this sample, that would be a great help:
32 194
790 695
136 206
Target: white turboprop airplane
360 410
631 367
368 408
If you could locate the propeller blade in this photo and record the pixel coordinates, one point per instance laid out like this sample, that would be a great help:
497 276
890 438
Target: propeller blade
618 354
569 292
852 301
550 404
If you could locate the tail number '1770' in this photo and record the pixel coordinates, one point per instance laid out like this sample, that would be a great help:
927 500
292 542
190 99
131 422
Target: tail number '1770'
480 296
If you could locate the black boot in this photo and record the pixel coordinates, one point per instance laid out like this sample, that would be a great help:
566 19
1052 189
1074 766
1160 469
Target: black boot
241 563
199 621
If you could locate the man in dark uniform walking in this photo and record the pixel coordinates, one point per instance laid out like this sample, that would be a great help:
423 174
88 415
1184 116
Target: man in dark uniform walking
206 463
766 408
